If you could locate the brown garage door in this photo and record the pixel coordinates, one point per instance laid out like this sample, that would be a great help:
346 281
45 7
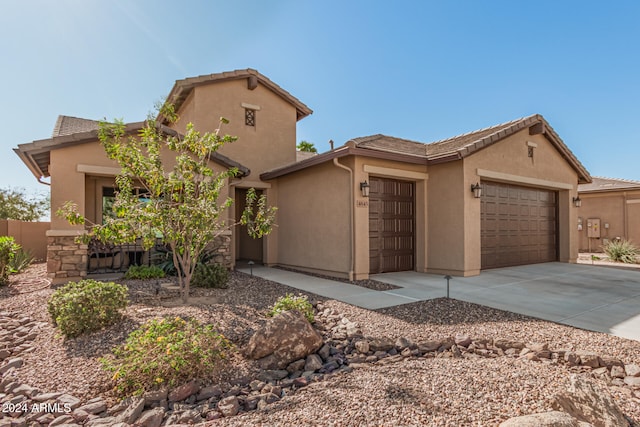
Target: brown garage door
519 225
391 225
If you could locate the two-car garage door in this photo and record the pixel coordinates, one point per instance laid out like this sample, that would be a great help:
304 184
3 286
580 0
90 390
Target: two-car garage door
519 225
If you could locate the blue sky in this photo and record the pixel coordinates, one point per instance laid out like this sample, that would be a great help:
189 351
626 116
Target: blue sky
422 70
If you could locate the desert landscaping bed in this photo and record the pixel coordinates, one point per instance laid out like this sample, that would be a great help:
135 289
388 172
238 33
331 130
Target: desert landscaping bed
421 388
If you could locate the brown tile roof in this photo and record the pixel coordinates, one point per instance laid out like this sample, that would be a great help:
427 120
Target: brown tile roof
391 144
445 150
182 88
472 141
601 184
37 154
303 155
66 125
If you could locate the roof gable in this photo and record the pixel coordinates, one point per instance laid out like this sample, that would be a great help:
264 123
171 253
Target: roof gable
446 150
37 154
182 88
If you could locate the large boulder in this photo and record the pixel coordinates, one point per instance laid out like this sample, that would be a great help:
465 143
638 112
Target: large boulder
285 338
544 419
587 402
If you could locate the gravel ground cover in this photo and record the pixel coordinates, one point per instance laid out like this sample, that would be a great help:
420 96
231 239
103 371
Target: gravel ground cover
422 391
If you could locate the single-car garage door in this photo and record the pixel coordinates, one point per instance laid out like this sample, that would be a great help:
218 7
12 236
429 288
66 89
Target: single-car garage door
519 225
391 225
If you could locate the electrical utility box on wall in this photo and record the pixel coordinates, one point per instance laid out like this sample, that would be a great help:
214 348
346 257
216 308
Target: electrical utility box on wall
593 228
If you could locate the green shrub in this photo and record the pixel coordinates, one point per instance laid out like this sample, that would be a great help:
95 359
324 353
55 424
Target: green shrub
166 352
144 272
210 276
621 251
86 306
290 302
8 249
21 261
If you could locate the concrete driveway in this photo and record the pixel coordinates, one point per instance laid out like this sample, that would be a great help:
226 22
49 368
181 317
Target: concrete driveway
594 298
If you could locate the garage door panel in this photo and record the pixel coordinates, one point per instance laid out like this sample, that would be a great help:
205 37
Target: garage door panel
392 227
518 225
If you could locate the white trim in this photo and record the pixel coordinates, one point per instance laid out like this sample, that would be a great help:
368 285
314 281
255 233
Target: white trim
98 170
536 182
250 106
396 173
633 201
532 144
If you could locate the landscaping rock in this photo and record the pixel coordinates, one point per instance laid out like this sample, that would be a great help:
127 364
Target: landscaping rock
462 339
544 419
362 346
184 391
313 363
429 346
151 418
283 339
229 406
380 344
587 402
132 411
632 370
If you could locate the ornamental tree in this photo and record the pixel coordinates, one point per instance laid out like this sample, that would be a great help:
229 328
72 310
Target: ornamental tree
16 204
182 204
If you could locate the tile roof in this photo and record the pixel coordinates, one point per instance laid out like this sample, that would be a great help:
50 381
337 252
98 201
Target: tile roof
391 144
468 140
601 184
66 125
450 149
37 154
182 88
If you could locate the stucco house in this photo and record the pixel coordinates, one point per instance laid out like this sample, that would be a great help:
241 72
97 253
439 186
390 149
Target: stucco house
610 209
495 197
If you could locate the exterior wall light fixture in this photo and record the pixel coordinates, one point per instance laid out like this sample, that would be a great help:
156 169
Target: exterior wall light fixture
477 190
364 187
577 202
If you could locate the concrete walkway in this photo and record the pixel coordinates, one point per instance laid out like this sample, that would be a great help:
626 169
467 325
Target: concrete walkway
594 298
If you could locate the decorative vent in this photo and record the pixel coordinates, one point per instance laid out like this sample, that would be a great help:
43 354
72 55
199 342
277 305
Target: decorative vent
250 117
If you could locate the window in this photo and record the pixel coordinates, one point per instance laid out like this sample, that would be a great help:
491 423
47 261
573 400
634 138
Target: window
109 198
250 117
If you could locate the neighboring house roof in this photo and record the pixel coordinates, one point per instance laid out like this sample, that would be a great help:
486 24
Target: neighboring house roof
182 88
37 154
455 148
66 125
601 184
303 155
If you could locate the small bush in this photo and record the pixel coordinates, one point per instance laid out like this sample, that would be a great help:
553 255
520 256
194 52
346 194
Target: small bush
622 251
290 302
8 249
86 306
141 272
21 261
210 276
166 352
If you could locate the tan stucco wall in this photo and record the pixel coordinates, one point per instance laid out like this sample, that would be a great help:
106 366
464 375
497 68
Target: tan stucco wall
30 235
85 188
313 220
67 184
619 209
447 206
508 161
269 144
364 169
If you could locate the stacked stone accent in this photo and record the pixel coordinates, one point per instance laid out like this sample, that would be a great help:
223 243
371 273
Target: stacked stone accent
222 249
66 259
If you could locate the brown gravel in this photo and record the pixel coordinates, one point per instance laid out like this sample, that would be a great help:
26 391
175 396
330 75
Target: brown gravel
422 391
